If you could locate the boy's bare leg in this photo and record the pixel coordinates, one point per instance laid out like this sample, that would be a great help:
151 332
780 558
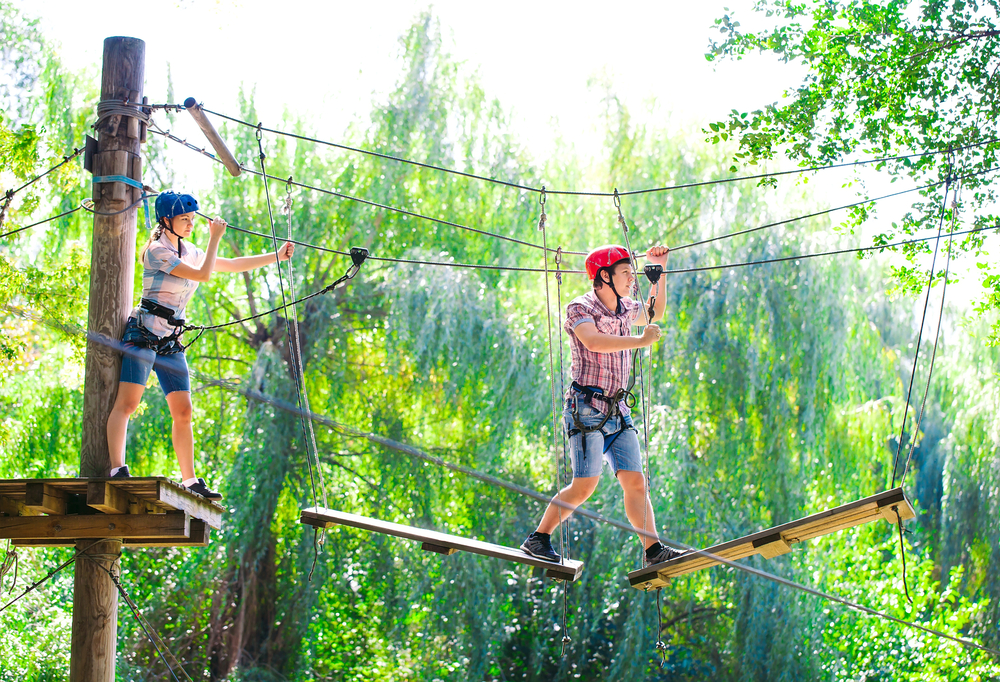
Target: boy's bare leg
634 488
572 496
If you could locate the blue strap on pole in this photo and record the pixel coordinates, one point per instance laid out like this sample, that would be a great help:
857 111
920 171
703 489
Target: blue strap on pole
98 179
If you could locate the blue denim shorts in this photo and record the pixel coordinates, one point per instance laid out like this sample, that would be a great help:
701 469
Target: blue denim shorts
171 370
621 451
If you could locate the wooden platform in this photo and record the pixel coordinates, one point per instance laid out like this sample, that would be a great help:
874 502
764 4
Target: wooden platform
442 543
779 540
145 512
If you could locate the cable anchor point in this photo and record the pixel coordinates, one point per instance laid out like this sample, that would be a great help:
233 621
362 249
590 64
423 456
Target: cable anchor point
542 217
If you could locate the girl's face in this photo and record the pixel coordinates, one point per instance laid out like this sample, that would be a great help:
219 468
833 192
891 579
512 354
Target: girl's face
182 224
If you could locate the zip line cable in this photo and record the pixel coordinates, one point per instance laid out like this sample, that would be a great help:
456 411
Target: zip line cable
9 194
920 333
49 575
412 451
41 222
565 252
341 195
730 235
537 190
477 266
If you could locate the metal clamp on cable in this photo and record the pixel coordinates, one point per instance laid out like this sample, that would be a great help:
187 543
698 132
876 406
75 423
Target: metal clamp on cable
358 256
652 272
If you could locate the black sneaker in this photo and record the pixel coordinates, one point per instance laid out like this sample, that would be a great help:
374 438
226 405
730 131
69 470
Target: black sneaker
540 547
122 472
665 554
201 488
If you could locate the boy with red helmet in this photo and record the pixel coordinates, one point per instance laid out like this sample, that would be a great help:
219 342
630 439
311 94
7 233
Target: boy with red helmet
597 419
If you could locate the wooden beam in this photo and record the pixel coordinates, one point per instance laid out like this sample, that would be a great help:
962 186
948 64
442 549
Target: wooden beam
176 496
42 497
772 546
778 540
324 518
106 498
428 547
11 507
200 536
176 525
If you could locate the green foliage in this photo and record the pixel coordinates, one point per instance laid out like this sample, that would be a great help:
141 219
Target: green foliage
884 78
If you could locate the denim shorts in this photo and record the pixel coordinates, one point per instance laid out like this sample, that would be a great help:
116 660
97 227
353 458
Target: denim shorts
621 451
171 370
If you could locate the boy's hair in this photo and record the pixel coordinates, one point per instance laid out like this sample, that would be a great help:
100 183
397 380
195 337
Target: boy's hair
611 270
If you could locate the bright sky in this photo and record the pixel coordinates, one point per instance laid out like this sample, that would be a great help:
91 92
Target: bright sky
329 61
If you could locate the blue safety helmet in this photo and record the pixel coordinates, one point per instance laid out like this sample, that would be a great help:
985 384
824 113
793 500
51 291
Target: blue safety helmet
170 204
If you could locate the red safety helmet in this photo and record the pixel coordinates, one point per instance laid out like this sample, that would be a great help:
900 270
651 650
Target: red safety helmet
605 257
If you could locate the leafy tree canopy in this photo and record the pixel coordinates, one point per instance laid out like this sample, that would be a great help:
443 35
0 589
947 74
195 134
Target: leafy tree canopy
884 78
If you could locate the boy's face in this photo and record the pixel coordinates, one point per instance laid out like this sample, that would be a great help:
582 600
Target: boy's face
623 278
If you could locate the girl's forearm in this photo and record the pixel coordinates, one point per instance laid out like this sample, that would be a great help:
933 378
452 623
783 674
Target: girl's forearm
244 263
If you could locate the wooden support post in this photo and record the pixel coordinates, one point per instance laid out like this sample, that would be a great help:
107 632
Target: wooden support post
112 262
112 265
95 613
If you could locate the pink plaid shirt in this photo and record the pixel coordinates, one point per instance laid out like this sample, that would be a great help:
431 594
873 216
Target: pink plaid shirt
607 371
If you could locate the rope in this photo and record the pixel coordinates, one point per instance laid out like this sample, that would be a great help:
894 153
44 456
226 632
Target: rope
642 386
416 453
556 425
297 377
147 628
937 332
541 190
302 376
9 564
902 552
567 537
920 333
661 647
107 108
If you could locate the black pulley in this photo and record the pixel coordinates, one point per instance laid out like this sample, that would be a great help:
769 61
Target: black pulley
358 255
653 272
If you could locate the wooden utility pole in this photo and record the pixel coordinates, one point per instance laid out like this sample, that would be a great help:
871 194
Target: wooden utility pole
112 266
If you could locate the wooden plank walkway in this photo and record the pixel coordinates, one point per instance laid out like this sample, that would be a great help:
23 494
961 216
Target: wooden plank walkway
141 511
779 540
442 543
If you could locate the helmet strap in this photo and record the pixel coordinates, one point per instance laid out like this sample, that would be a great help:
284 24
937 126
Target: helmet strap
611 283
169 227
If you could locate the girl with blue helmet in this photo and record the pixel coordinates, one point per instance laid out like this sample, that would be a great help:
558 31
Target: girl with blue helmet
171 272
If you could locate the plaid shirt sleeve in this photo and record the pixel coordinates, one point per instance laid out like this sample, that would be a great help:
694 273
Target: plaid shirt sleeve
577 314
